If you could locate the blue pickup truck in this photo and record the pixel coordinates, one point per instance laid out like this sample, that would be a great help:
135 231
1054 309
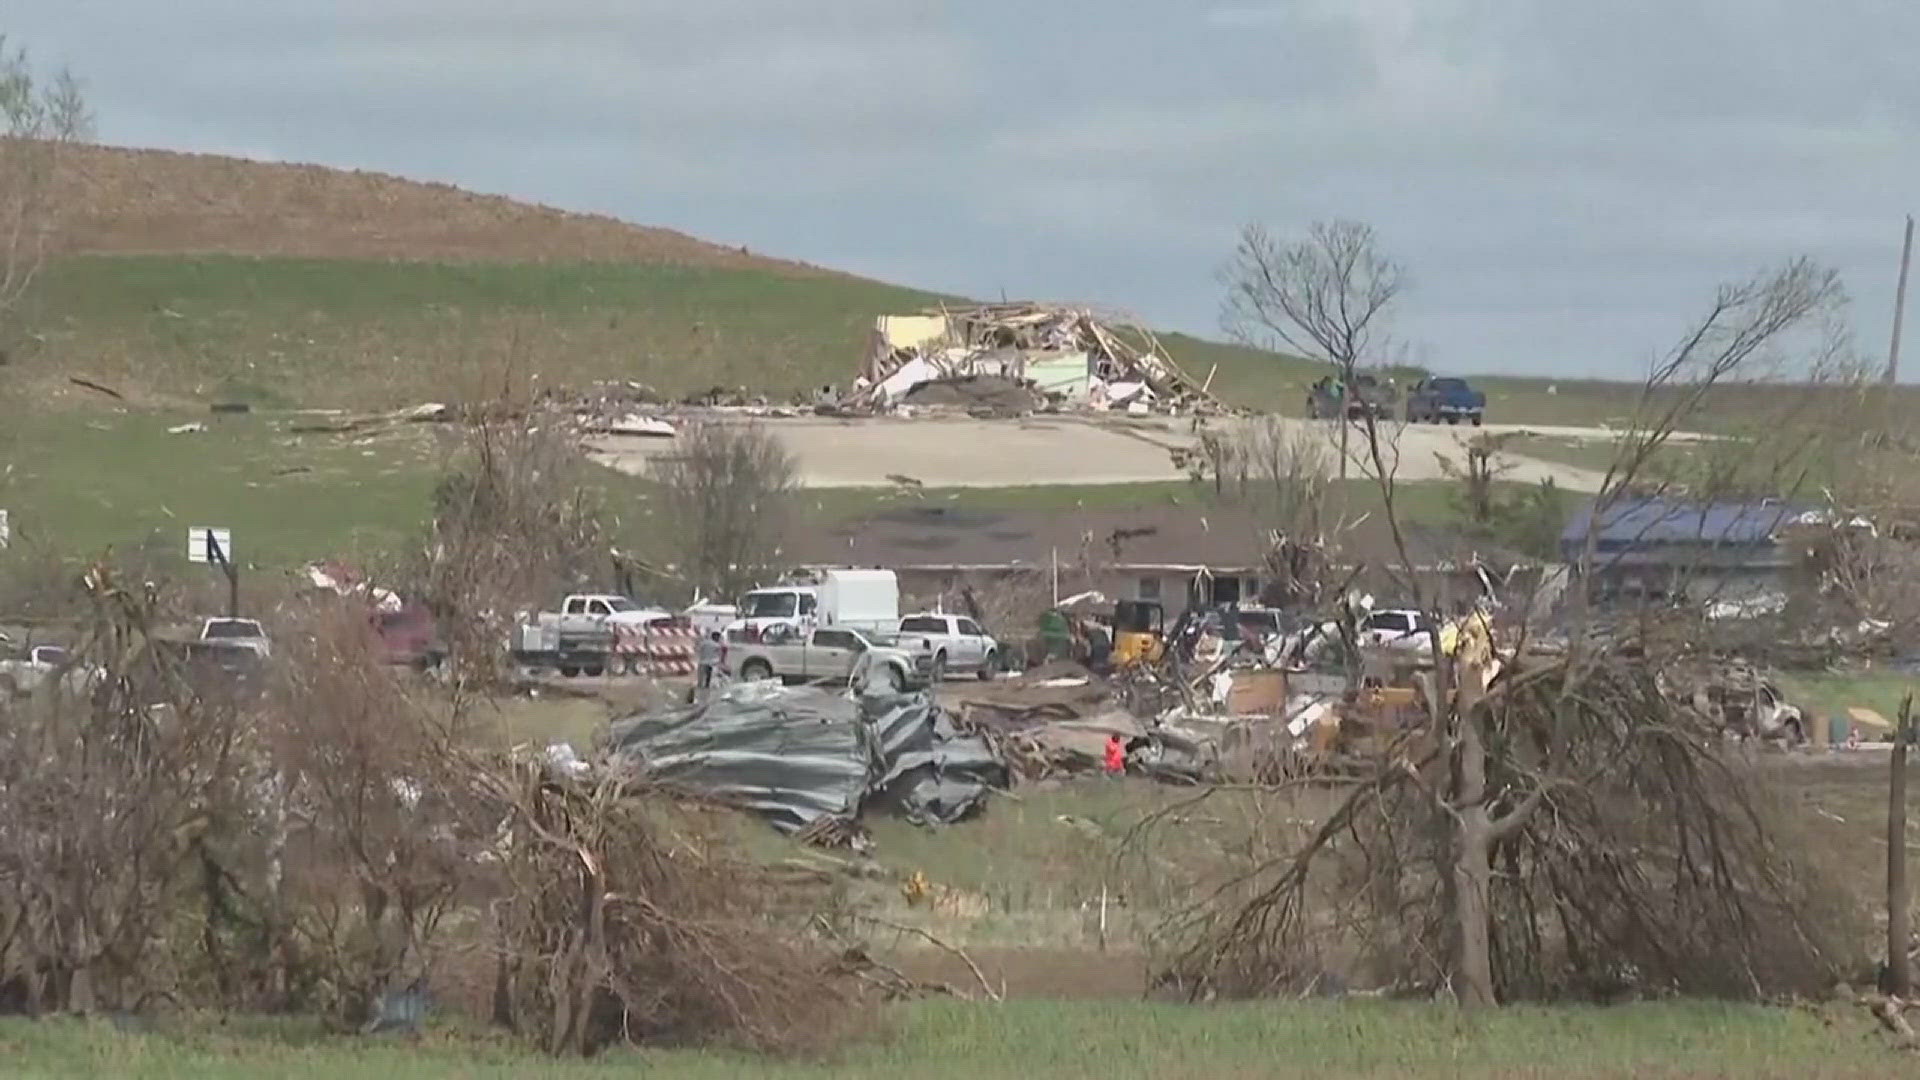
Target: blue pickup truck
1451 400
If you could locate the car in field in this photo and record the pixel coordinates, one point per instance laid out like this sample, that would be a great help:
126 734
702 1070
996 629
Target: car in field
236 635
1367 394
408 637
1445 399
830 654
23 674
957 643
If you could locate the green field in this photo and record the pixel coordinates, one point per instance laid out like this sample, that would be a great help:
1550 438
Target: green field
319 333
174 334
80 482
1032 1040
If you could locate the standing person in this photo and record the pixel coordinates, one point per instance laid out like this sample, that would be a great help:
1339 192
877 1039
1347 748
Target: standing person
708 655
1116 761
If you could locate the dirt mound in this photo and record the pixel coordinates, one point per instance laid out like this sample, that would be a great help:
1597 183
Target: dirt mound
156 201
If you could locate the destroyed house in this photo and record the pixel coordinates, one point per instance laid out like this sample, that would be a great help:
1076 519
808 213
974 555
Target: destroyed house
1174 554
1673 548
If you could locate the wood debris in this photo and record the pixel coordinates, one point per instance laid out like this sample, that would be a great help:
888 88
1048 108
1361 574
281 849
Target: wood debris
1068 356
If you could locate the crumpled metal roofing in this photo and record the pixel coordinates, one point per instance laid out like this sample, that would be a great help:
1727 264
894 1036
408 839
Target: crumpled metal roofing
799 754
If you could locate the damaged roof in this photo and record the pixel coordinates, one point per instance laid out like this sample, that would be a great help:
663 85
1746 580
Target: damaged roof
1646 521
1218 537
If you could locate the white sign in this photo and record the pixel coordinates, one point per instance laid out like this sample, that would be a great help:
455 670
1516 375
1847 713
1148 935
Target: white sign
202 542
6 530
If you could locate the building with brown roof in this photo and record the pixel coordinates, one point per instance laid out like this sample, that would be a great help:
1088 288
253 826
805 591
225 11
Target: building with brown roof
1171 553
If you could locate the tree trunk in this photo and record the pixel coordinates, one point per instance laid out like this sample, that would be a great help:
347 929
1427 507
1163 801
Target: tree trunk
1472 871
1472 880
1899 976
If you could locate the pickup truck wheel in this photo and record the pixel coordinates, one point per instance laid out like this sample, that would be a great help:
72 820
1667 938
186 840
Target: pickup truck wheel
1453 418
755 670
568 671
988 666
1476 419
593 671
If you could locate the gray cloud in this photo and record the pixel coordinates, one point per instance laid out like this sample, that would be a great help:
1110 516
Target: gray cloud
1567 182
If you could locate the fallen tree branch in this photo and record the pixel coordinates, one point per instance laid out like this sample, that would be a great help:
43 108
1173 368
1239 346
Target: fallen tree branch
951 950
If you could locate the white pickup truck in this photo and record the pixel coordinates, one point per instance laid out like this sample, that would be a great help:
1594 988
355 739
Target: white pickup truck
237 635
825 654
581 638
956 643
23 675
594 610
1401 629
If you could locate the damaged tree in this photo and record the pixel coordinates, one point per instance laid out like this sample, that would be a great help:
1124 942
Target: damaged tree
727 495
1325 297
42 118
514 524
91 903
615 928
1557 826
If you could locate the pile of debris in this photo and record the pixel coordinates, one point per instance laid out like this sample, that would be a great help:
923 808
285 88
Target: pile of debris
1020 357
811 759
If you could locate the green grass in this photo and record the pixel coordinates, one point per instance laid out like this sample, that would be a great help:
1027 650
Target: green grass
1825 694
319 332
316 332
938 1040
79 482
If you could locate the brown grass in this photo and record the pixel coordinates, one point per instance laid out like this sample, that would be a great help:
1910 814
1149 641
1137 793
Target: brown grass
126 201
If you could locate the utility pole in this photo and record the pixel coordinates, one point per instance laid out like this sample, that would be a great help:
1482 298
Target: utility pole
1900 303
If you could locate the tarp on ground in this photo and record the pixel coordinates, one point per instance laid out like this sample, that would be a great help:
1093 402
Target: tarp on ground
799 754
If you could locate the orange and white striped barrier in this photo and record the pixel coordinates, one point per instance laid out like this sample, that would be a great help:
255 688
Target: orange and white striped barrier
656 649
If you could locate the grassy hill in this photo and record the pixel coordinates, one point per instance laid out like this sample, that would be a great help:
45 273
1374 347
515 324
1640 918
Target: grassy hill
190 279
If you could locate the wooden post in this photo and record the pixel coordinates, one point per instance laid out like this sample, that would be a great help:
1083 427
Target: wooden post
1899 977
219 557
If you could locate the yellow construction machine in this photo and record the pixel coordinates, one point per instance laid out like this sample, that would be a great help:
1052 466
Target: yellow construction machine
1139 632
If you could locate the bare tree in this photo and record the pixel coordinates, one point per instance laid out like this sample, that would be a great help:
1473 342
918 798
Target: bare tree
1553 822
515 523
42 117
1324 297
726 501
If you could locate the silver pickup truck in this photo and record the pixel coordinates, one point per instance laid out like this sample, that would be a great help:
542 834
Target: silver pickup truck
826 654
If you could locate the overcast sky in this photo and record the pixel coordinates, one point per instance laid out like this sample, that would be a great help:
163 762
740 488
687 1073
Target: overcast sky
1565 181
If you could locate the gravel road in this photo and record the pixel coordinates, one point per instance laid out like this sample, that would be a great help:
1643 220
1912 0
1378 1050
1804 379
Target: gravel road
967 452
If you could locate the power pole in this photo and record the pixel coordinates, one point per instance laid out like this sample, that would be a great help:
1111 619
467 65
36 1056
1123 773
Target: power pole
1900 303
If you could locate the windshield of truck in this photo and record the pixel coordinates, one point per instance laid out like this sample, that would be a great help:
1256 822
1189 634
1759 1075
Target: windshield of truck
770 605
621 603
231 628
923 624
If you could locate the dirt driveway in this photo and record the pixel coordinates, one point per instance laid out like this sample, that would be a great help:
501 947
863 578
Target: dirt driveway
966 452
